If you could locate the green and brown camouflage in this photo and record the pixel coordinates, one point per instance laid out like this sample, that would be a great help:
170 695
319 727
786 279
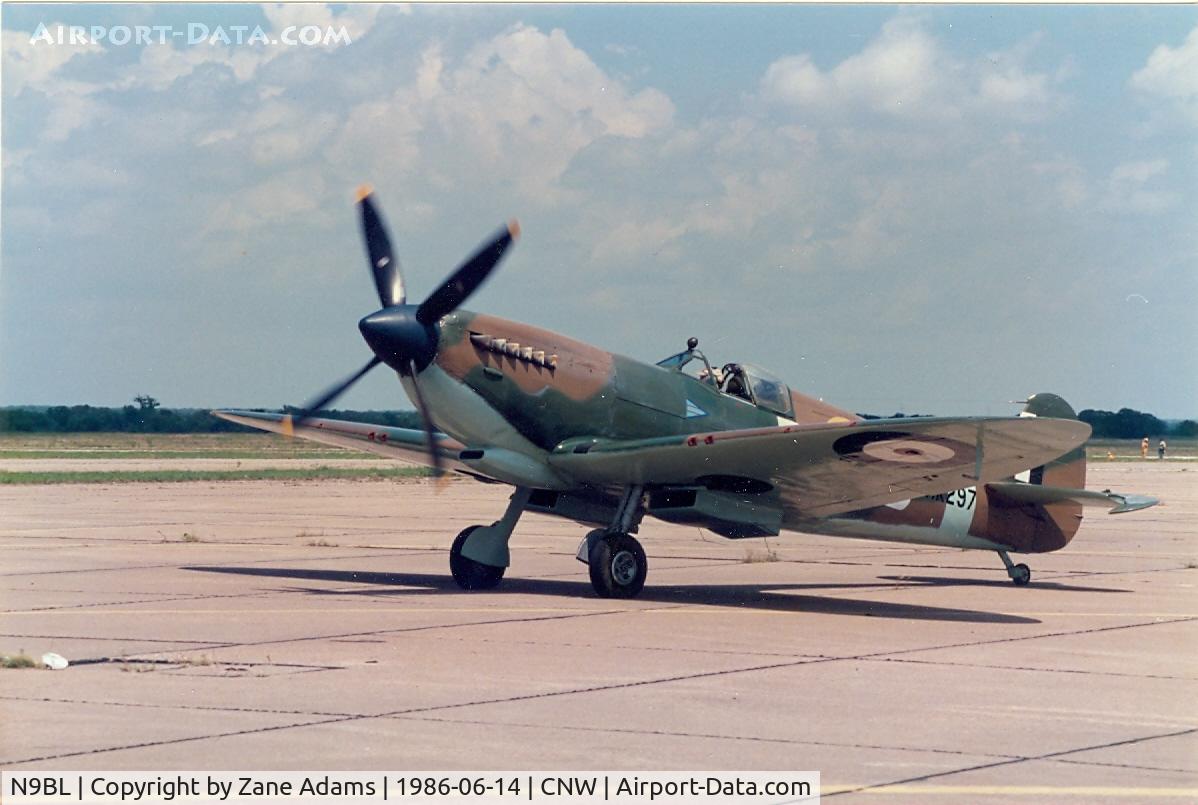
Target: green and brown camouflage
608 421
554 389
561 393
984 513
602 438
1030 527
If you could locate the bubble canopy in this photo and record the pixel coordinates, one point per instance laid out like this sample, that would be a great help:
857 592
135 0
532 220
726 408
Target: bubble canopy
767 389
744 380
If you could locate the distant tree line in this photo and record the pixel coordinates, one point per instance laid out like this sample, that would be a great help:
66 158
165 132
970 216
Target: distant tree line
393 419
1130 424
1126 423
148 416
129 419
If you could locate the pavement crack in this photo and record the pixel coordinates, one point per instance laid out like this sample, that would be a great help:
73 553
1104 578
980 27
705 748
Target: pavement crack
407 630
186 739
1012 761
1041 636
989 666
199 644
193 707
175 565
1135 766
697 735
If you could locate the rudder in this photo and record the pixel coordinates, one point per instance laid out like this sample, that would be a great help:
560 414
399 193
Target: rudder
1068 470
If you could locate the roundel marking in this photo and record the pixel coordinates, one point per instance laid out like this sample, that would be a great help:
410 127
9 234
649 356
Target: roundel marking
897 447
909 451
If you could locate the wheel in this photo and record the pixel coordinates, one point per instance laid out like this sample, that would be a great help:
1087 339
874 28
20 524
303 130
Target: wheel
618 566
469 574
1021 574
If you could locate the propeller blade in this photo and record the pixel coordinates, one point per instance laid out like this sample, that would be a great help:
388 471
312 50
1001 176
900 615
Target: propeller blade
330 394
466 279
429 437
388 275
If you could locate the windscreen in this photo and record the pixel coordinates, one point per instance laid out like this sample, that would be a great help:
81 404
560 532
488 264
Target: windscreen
768 391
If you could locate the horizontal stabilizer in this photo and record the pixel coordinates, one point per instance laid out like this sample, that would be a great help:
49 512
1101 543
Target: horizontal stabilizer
1020 493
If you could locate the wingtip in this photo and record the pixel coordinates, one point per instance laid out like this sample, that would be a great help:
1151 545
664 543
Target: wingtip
1132 503
364 191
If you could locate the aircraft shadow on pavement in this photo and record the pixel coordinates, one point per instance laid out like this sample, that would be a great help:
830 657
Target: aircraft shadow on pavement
944 581
773 597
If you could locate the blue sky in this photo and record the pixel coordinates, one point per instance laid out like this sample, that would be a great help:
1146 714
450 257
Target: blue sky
935 209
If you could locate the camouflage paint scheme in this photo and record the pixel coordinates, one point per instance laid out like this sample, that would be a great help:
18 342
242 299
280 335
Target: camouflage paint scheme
578 406
592 393
599 438
977 517
607 396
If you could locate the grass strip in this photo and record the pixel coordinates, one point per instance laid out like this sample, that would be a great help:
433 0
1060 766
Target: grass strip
173 476
229 454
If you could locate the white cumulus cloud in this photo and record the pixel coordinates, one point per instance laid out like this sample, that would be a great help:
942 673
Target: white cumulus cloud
36 65
895 74
516 108
1133 187
905 72
1172 73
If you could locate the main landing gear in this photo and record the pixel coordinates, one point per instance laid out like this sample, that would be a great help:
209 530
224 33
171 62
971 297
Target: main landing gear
480 555
1020 573
617 562
615 558
469 574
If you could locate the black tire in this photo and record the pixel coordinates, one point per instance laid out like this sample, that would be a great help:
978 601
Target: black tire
1022 575
469 574
618 566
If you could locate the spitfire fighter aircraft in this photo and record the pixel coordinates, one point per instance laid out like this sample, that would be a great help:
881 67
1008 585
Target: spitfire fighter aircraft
604 440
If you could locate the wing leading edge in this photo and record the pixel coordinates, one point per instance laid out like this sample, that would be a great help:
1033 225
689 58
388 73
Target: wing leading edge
403 444
822 470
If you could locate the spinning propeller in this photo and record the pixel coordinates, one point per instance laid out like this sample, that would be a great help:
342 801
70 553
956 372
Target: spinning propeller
405 336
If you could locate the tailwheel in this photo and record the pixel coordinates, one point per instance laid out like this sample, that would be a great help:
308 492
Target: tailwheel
469 574
618 566
1020 573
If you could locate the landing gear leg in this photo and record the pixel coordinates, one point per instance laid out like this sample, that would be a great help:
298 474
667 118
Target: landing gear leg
615 558
1020 573
480 554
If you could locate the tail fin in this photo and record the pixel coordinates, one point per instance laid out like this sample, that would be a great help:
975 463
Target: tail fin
1069 470
1042 511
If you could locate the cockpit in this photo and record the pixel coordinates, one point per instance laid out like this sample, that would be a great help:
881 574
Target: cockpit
742 380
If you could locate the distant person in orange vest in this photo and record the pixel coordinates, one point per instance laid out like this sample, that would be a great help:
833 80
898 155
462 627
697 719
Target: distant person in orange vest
1160 449
1144 447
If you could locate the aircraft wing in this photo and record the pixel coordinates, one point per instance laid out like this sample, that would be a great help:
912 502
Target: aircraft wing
403 444
826 469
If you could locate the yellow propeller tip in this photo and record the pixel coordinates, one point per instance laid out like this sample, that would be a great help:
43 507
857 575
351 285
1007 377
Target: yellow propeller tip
363 191
288 428
513 228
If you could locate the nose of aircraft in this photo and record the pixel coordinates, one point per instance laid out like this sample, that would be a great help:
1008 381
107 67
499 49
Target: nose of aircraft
399 339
